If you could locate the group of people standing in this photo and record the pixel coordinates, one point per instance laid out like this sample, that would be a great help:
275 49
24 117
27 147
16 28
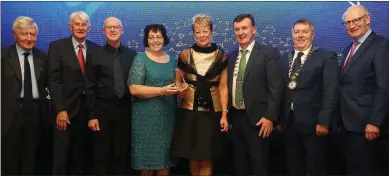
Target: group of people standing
111 101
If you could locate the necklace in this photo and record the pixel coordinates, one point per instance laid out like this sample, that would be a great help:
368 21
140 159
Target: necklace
293 83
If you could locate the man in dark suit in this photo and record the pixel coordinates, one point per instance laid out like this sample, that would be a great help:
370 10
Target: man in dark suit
310 101
66 82
108 100
23 83
255 84
364 92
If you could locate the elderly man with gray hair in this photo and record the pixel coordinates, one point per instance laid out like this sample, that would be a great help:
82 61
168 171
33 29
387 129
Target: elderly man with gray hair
23 78
364 94
66 83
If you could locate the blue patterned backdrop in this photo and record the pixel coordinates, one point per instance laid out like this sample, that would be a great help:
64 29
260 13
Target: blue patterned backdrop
274 21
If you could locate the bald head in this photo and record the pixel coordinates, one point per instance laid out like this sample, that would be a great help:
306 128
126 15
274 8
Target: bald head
113 30
357 21
112 20
355 10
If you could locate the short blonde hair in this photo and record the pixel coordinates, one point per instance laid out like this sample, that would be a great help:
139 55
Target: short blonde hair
23 22
202 20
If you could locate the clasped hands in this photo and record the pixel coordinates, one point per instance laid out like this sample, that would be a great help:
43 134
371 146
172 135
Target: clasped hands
173 89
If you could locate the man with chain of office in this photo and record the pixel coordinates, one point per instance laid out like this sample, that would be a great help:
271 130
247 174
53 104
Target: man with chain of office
312 77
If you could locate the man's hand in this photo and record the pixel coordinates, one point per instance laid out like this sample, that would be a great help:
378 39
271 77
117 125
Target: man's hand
94 125
372 132
266 127
278 127
321 130
62 120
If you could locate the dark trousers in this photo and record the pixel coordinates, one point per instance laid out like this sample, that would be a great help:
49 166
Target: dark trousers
306 154
250 151
383 154
111 143
70 147
360 154
19 144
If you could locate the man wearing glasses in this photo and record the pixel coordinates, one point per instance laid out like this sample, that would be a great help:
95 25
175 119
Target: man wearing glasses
67 58
108 100
364 92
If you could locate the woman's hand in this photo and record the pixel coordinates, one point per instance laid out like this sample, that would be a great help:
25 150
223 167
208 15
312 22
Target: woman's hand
224 124
170 89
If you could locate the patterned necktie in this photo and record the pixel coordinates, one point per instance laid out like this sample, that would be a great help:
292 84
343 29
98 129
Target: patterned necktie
352 50
297 63
80 57
27 98
239 79
118 76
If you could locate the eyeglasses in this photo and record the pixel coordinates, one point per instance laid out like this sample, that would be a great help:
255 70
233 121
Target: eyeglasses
116 27
355 21
158 38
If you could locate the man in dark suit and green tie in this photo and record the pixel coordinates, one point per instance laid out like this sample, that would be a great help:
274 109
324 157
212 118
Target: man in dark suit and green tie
255 85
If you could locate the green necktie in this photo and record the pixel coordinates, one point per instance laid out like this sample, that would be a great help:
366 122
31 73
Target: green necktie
239 80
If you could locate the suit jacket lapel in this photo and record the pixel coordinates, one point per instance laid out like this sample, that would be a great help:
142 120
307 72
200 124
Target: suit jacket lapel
37 64
72 53
14 63
307 61
365 45
251 61
231 65
87 43
287 67
344 56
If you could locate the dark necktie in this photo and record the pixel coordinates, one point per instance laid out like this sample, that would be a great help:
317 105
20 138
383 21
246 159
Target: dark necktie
27 98
118 76
297 63
80 57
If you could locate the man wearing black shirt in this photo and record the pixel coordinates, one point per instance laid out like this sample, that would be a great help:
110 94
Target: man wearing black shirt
108 100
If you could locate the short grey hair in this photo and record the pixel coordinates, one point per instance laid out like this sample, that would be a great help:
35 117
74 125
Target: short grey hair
23 22
120 22
81 14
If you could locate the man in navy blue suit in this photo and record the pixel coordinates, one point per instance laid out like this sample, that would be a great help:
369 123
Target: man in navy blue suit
311 96
364 93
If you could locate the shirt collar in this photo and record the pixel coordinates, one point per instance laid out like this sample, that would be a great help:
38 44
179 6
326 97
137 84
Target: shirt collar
364 37
20 50
305 51
75 43
249 48
109 47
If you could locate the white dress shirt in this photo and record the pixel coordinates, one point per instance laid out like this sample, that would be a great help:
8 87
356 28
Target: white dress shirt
236 70
20 51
